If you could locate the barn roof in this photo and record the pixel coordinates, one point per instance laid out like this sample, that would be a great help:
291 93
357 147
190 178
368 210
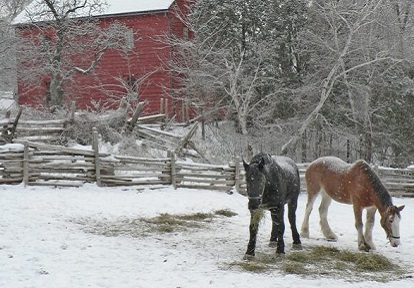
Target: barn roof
113 7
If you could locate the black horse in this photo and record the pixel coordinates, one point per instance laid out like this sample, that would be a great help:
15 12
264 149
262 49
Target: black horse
271 183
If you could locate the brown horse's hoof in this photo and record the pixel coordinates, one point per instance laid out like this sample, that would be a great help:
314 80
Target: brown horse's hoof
365 248
248 257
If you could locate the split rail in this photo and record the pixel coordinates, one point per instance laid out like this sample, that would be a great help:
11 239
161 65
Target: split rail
48 165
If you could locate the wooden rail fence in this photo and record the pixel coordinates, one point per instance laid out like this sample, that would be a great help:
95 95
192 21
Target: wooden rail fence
32 130
43 164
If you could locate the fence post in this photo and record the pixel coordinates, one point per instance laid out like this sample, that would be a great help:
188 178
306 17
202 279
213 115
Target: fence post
26 164
72 112
162 106
131 125
237 174
95 147
376 170
166 111
173 170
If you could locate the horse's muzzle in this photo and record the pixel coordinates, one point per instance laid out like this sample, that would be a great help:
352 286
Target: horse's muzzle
394 241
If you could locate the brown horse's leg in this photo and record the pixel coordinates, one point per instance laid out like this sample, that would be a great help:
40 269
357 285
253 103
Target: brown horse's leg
312 194
323 213
362 244
369 225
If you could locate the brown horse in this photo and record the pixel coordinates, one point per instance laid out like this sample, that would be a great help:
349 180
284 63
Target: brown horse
355 184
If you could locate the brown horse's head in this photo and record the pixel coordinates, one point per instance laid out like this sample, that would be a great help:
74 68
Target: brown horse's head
390 221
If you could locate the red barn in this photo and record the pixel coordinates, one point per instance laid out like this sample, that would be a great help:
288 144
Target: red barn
143 68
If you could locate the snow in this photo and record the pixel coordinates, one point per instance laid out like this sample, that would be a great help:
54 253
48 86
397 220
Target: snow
112 7
46 240
286 164
7 101
333 163
11 147
127 6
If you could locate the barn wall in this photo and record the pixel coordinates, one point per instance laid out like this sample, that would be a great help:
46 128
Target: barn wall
116 68
179 30
105 86
31 89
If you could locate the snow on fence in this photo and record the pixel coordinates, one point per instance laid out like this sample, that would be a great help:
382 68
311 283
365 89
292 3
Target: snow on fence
11 167
32 130
16 130
399 182
43 164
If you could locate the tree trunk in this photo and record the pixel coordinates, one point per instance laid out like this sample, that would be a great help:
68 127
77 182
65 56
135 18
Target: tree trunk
367 142
56 93
243 124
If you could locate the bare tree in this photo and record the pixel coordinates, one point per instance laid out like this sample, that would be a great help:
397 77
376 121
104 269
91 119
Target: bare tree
339 73
61 40
8 10
234 62
342 39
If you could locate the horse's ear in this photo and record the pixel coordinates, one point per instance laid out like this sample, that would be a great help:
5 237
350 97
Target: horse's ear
261 163
400 208
245 165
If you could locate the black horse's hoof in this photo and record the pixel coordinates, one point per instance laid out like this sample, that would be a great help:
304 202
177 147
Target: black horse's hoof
297 246
273 244
280 255
248 257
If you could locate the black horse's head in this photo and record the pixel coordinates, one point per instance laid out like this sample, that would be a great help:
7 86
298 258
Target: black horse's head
256 181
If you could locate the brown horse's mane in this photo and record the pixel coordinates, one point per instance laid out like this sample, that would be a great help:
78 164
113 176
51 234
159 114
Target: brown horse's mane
378 187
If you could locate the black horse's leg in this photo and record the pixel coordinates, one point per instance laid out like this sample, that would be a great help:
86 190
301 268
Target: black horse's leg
278 229
273 234
253 228
292 206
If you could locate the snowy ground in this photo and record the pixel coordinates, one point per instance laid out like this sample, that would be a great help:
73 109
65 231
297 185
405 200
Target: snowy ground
44 242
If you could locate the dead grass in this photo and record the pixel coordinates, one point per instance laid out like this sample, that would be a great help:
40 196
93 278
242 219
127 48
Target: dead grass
225 213
251 266
328 262
168 223
144 226
257 216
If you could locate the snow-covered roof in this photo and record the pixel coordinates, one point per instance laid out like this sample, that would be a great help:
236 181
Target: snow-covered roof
113 7
128 6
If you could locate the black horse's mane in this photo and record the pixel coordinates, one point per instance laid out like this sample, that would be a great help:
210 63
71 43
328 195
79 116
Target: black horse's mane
374 180
258 158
